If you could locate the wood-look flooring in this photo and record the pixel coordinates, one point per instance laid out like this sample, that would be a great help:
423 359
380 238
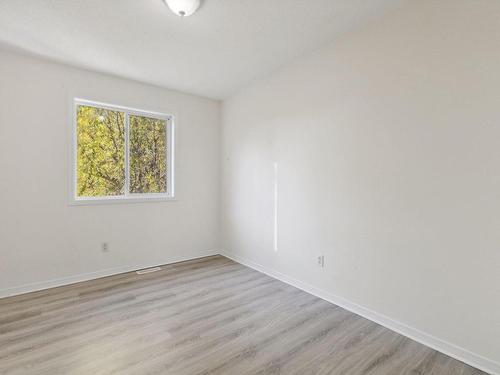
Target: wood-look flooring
206 316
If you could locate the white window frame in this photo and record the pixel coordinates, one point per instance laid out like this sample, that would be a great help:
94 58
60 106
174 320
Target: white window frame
127 197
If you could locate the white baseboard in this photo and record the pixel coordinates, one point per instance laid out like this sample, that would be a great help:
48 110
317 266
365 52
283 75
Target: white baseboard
454 351
34 287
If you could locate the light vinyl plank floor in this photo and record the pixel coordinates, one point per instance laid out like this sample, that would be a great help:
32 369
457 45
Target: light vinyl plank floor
200 317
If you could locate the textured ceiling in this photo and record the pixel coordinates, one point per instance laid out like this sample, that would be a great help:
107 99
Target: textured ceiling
223 47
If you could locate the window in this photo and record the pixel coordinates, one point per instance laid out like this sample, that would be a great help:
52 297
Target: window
121 154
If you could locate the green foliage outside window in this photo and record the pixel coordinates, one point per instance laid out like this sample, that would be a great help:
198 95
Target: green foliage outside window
101 152
148 172
101 169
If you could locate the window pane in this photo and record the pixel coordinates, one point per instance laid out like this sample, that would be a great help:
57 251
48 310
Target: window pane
101 152
148 150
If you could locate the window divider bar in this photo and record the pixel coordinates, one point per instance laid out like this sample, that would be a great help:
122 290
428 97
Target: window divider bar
127 154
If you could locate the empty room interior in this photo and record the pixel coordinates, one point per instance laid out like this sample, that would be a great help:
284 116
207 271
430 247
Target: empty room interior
250 187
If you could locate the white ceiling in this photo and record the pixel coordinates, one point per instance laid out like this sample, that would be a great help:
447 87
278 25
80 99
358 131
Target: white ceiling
223 47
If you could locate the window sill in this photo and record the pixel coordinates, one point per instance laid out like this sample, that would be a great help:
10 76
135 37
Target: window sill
120 200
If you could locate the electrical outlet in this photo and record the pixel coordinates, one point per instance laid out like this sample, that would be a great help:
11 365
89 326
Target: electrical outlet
321 261
105 247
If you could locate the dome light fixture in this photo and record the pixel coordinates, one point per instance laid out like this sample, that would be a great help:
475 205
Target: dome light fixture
183 8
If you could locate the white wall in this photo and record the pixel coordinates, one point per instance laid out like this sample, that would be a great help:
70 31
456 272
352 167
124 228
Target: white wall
388 152
42 237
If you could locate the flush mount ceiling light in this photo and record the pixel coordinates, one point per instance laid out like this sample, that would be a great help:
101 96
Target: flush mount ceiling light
183 8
